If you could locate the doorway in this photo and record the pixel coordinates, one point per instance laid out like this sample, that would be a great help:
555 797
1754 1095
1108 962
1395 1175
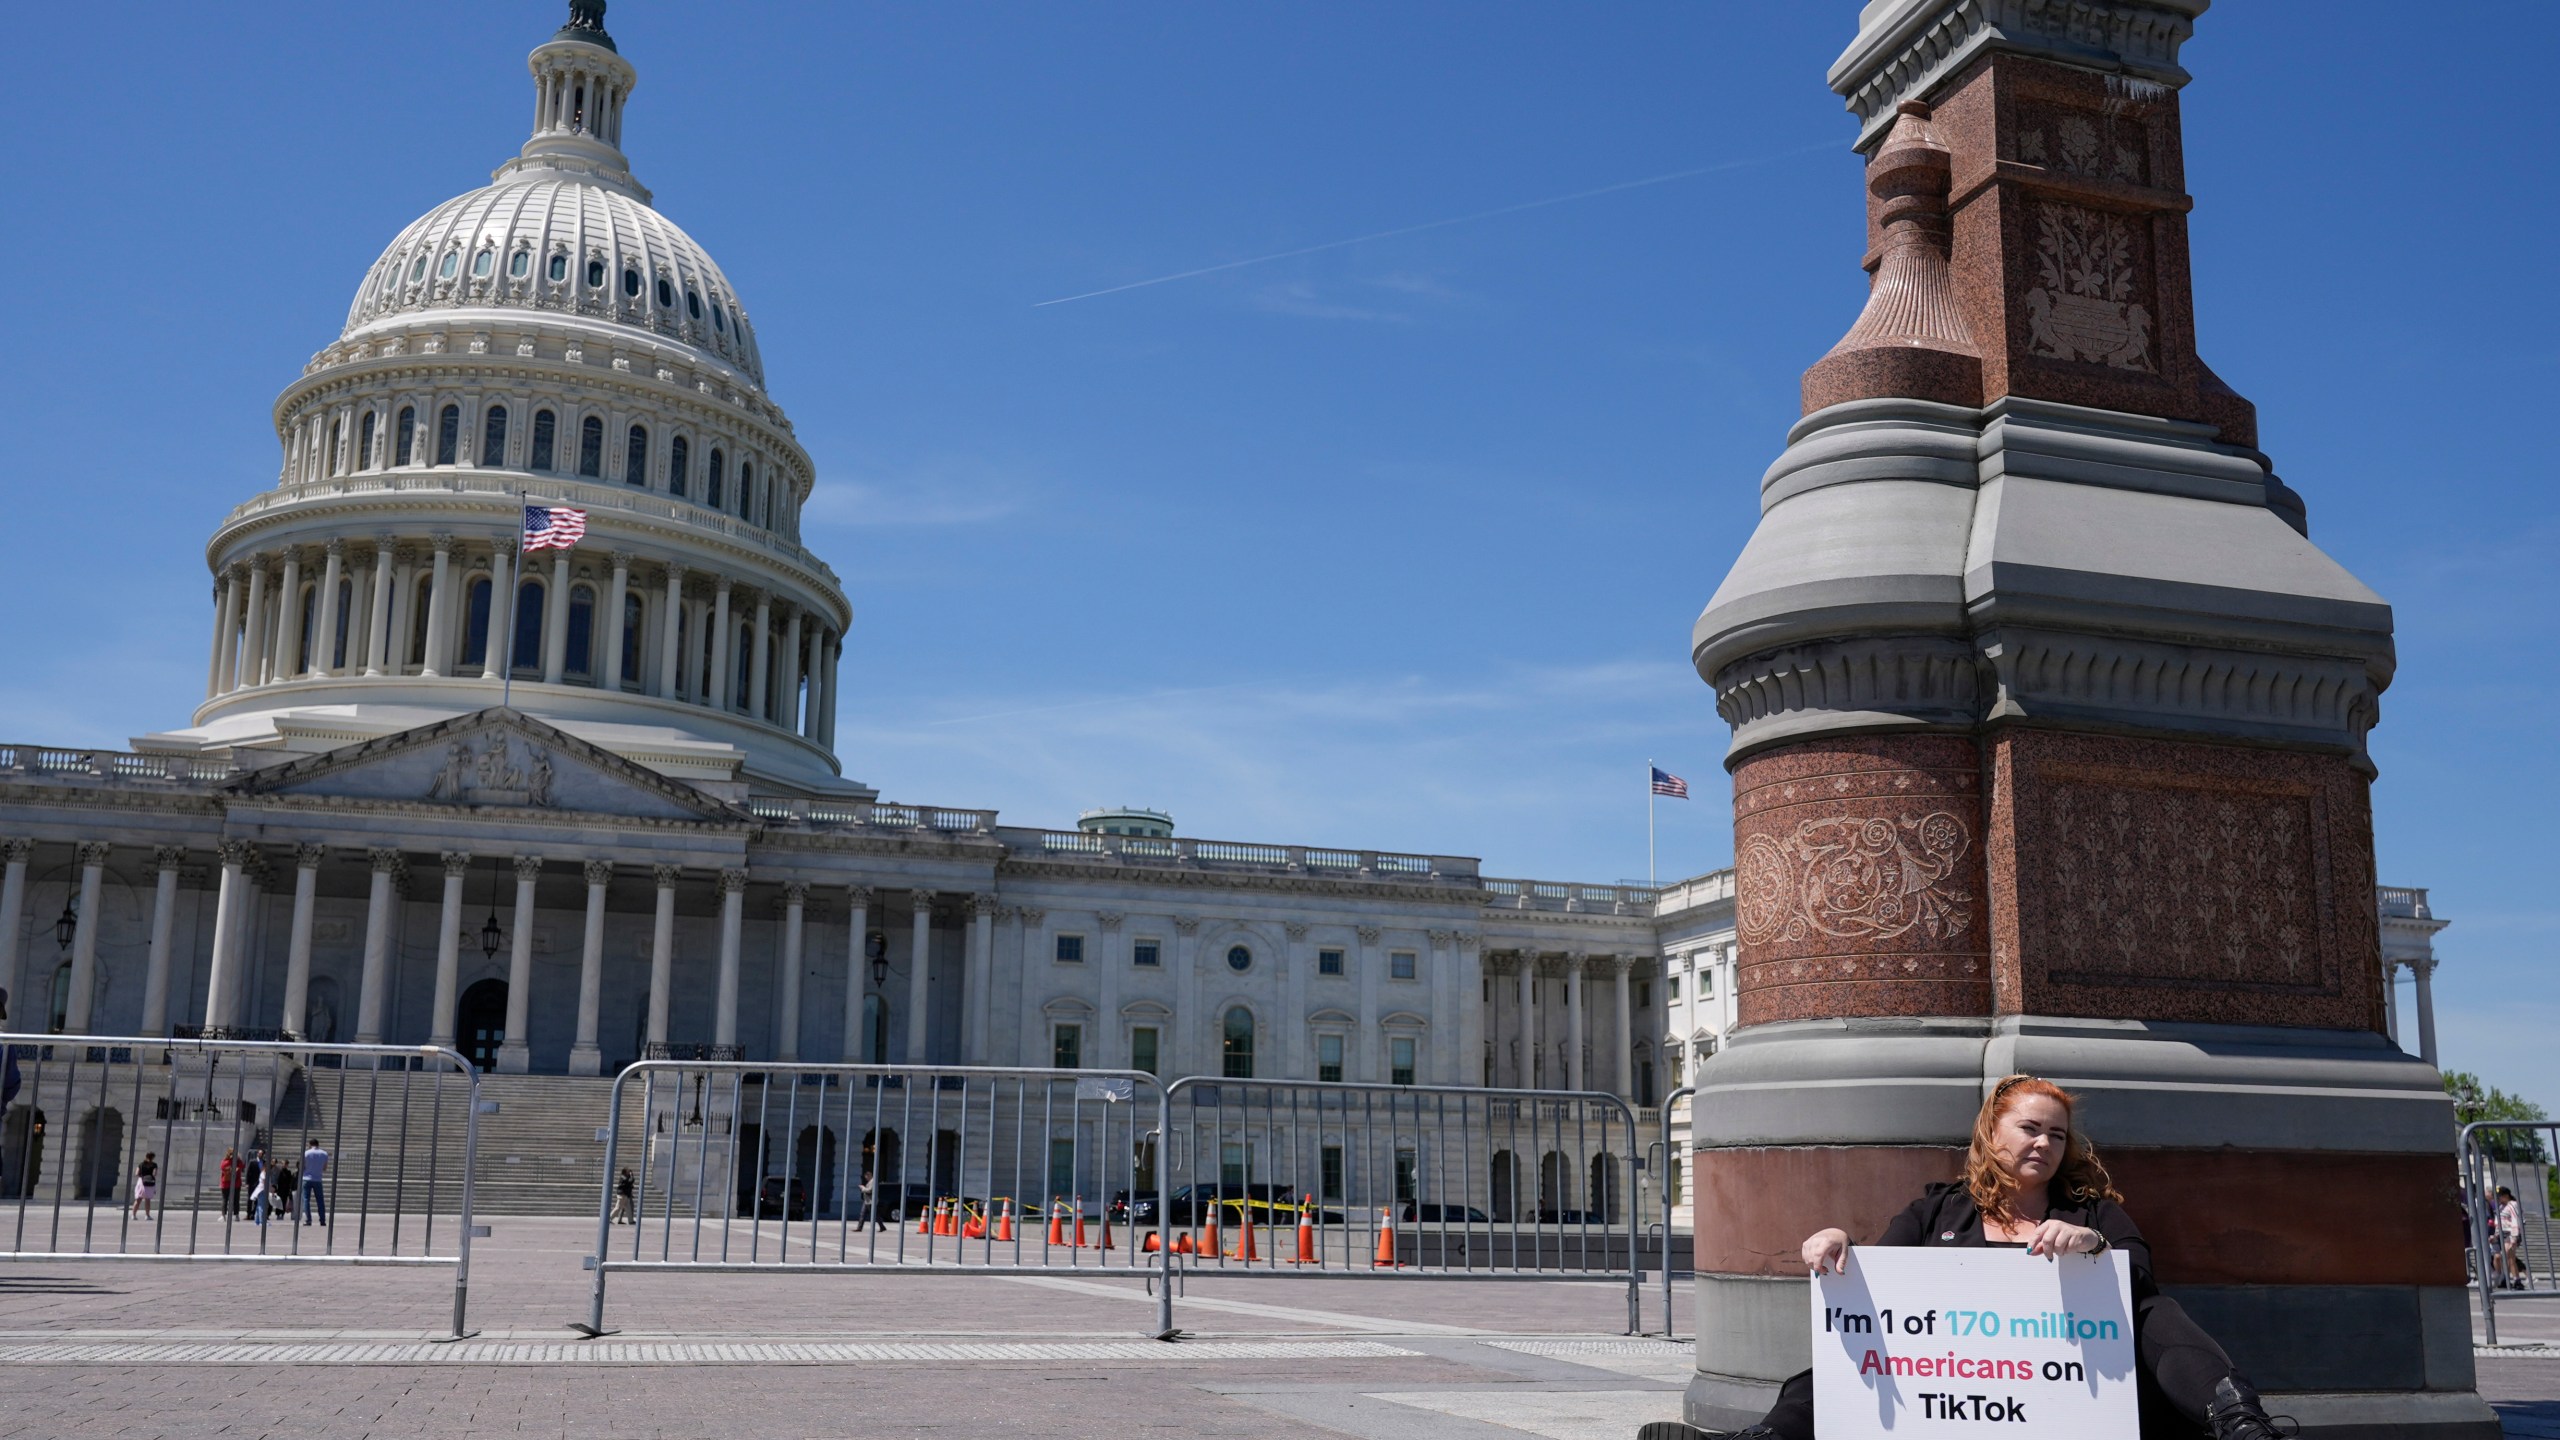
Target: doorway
813 1160
101 1154
1505 1173
480 1022
21 1152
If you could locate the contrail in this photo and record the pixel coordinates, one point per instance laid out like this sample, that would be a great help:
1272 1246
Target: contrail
1665 179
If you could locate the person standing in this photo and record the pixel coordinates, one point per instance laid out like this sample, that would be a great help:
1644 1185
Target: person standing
146 1184
230 1180
253 1180
280 1190
315 1192
2508 1236
626 1198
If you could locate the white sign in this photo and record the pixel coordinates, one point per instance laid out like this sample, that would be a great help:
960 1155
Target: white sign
1951 1344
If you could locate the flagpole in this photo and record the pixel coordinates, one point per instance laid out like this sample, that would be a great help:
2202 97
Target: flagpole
515 564
1652 875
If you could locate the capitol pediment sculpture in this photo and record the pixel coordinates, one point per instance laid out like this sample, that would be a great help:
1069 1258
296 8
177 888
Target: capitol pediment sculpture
493 775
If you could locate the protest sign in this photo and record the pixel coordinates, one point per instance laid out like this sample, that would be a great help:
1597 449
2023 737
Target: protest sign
1952 1344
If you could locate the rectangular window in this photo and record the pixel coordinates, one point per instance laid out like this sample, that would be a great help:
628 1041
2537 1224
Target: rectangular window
1066 1047
544 438
1644 994
1062 1166
1404 1177
1231 1164
1149 953
1071 949
1400 964
1671 1178
1707 983
1670 987
1400 1060
1328 962
1142 1049
1329 1182
1328 1057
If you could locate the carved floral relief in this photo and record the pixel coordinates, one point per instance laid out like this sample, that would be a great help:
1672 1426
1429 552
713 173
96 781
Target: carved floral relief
1855 878
2086 305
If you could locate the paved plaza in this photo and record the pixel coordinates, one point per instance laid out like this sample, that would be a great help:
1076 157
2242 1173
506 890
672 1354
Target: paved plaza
145 1349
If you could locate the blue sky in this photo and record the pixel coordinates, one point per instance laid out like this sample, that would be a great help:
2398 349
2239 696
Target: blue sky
1392 544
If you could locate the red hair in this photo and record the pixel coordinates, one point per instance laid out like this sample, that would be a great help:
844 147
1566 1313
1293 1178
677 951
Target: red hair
2079 1178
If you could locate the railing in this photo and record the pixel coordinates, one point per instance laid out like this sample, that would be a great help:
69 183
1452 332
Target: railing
1700 890
1238 855
1563 895
2405 902
110 764
393 1132
853 1169
691 1050
1665 1164
2507 1199
873 815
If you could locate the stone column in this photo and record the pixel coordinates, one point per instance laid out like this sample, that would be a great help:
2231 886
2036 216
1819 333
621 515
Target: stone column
1619 966
1369 1047
1109 968
439 656
164 916
757 673
286 662
722 681
440 1020
253 634
919 977
833 656
670 663
373 991
1191 1029
231 901
297 961
1295 1062
226 635
787 715
1471 1008
2425 1008
981 980
857 974
377 618
662 952
84 941
498 656
813 715
515 1052
697 641
13 918
608 666
795 909
1525 1058
1574 1032
733 890
555 622
586 1057
2391 1000
324 634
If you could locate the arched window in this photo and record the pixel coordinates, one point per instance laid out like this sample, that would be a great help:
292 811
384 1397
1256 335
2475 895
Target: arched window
452 262
448 434
666 294
595 274
559 269
711 480
337 432
527 656
746 666
404 436
635 457
693 303
630 283
591 447
303 648
545 429
634 615
346 617
746 491
475 626
493 437
1236 1048
481 265
582 622
520 264
679 458
418 607
364 442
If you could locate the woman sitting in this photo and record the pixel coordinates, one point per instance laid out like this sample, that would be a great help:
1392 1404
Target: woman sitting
2032 1182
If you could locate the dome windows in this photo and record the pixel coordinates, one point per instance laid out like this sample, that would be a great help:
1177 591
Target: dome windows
591 448
595 274
493 437
520 264
404 436
666 294
452 263
635 457
417 269
482 264
679 459
364 442
559 270
545 432
630 283
713 479
719 321
448 431
692 303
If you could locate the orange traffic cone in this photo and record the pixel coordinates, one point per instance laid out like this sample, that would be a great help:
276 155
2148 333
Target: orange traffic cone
1182 1245
976 1228
949 1223
1211 1244
1150 1245
1386 1258
1244 1240
1004 1221
1306 1232
1079 1229
924 1222
1057 1224
1106 1235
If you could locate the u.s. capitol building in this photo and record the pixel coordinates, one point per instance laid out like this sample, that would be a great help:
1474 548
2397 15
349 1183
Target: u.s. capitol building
598 815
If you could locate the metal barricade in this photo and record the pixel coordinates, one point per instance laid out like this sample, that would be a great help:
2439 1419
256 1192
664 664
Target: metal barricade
1276 1177
1664 1163
761 1167
2518 1262
81 1116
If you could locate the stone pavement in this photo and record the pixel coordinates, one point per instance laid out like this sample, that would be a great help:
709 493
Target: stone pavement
149 1349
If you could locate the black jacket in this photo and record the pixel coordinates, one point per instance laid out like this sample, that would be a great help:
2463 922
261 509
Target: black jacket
1946 1215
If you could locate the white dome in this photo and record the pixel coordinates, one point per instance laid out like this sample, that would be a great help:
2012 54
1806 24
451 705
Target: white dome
543 241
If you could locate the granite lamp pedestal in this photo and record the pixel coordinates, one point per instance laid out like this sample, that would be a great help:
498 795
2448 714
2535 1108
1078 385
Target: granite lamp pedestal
2048 755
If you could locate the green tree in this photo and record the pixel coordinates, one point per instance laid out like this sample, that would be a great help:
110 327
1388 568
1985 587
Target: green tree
2475 1101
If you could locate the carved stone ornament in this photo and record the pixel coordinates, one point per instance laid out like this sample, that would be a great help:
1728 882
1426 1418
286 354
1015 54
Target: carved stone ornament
733 882
1854 877
2084 305
168 857
1186 924
666 876
308 856
491 775
457 863
1369 934
1297 928
93 852
858 896
599 872
796 893
15 852
528 868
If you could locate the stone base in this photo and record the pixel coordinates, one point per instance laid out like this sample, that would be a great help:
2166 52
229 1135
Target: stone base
585 1060
514 1059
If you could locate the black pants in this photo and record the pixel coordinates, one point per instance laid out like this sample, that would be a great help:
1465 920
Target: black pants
2179 1364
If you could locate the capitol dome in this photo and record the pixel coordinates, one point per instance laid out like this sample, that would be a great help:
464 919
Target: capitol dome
547 340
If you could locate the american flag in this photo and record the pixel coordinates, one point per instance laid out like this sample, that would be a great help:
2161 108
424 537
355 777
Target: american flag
1666 783
557 527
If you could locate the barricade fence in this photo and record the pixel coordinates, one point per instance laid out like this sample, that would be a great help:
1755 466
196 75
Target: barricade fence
1277 1177
2508 1197
828 1168
1665 1162
238 1152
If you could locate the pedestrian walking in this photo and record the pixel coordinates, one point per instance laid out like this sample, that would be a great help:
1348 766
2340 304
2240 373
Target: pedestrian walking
146 1184
2508 1235
315 1191
280 1191
230 1181
253 1183
626 1198
871 1201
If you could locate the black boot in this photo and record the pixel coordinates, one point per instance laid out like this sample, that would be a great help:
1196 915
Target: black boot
2235 1413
